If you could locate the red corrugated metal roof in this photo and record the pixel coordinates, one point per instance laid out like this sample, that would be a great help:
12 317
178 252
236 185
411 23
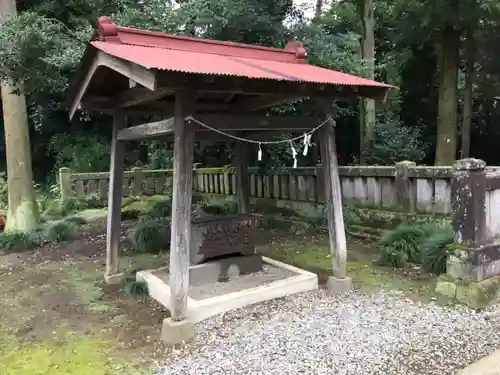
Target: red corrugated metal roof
202 56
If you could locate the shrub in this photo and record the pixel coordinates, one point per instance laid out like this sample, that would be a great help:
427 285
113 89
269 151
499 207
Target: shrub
160 209
286 211
3 190
435 250
136 288
269 222
317 220
231 207
59 231
71 205
92 201
406 239
58 209
221 207
53 211
76 220
130 214
14 240
150 236
392 257
216 208
197 198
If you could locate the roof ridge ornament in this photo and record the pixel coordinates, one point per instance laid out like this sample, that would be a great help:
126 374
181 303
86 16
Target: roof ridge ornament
298 48
108 31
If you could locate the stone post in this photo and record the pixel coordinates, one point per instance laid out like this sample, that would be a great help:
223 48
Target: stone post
195 176
473 260
473 268
404 191
65 183
468 196
138 182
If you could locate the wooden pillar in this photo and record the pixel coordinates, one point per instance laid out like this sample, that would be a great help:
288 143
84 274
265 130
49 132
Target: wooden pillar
180 243
242 177
333 201
115 201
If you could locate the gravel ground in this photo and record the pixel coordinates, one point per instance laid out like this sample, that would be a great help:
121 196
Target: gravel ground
352 334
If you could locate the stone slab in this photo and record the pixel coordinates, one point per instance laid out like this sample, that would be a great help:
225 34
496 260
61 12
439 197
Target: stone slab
177 332
223 269
446 288
489 365
476 295
465 270
335 286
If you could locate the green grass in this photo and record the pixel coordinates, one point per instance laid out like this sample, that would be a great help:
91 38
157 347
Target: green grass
365 275
74 355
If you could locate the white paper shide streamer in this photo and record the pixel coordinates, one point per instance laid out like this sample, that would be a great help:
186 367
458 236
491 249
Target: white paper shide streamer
306 139
294 155
307 143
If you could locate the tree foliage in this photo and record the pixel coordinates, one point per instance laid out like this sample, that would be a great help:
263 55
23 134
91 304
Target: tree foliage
42 48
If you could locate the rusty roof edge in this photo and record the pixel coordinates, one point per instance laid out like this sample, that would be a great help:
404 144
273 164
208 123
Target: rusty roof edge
110 32
201 40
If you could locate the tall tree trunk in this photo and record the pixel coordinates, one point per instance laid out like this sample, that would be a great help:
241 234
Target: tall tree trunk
448 93
23 208
318 10
468 97
367 106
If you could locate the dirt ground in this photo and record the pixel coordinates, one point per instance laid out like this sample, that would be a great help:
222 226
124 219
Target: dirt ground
53 300
54 292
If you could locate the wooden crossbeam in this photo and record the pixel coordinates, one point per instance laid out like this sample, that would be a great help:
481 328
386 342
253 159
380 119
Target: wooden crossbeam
226 123
149 130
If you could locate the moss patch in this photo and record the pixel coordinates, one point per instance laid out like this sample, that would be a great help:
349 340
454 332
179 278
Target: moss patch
58 317
78 356
316 258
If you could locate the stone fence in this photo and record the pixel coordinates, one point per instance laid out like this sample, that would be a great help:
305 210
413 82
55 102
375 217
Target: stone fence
467 194
403 187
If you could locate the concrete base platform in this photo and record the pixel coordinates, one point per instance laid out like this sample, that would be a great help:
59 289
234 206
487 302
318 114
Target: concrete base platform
176 332
199 310
117 278
335 286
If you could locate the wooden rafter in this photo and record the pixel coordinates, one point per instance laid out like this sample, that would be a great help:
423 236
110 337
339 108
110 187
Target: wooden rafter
149 130
134 72
140 95
157 85
261 102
